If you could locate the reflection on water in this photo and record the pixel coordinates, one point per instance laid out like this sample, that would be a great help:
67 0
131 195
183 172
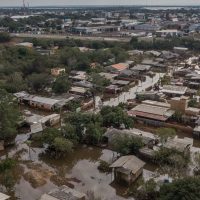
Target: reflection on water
80 168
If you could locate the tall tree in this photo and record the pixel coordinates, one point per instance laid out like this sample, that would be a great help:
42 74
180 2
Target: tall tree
61 85
9 116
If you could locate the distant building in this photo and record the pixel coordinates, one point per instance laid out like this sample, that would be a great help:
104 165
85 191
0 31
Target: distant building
25 44
127 169
147 27
44 103
170 32
57 71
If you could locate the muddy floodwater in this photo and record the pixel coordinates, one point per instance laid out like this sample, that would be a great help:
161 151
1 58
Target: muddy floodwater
78 168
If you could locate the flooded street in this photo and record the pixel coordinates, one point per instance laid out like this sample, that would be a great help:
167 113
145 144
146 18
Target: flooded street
131 94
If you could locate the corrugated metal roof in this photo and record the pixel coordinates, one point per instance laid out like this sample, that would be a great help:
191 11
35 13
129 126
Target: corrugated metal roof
174 89
156 110
147 115
130 163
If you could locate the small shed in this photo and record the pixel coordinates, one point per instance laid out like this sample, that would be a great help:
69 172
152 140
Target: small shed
127 169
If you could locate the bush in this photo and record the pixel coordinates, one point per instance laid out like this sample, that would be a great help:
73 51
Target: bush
4 37
104 167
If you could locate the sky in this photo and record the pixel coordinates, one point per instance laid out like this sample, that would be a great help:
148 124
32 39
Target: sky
98 2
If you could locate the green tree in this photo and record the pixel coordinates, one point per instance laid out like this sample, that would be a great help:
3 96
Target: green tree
126 145
9 116
99 83
69 132
116 117
50 134
62 146
38 82
15 83
94 133
4 37
61 85
181 189
165 133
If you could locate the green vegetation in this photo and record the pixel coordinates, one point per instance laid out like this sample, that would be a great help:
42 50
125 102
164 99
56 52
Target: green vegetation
7 164
58 146
61 85
4 37
127 145
193 103
116 117
7 175
104 167
167 44
94 133
165 134
9 117
166 80
99 83
148 191
171 157
181 189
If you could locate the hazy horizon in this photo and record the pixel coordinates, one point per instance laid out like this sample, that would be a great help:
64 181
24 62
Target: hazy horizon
100 2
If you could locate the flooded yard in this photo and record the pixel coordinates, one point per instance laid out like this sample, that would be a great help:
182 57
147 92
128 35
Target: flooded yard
78 170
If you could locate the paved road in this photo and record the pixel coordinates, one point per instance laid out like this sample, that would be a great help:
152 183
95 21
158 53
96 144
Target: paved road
52 36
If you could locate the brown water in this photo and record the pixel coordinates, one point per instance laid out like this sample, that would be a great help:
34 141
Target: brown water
80 167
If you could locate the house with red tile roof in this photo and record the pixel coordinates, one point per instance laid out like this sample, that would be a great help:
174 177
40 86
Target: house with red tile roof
117 68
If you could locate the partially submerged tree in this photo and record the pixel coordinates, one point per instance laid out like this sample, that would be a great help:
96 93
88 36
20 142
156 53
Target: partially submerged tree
126 145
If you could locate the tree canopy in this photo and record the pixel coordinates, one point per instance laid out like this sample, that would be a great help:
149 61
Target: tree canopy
9 116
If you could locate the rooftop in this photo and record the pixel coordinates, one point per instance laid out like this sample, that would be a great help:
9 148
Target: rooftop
156 103
174 89
120 66
179 144
151 112
129 163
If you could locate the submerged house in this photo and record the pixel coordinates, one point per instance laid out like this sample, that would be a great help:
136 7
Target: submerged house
147 138
63 193
127 169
